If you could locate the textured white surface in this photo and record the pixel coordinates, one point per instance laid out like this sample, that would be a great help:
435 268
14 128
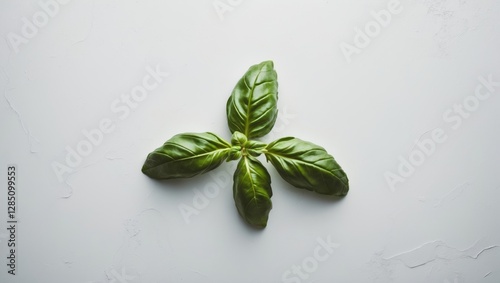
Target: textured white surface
107 222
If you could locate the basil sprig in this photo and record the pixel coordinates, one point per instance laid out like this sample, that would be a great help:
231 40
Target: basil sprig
251 113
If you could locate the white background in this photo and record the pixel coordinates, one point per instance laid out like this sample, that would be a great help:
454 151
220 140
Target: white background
107 222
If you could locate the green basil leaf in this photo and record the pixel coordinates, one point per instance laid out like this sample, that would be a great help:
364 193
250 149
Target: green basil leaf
255 148
186 155
238 139
252 191
308 166
235 153
252 107
257 145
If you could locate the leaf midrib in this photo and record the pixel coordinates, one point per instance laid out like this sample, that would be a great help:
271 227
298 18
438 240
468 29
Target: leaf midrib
247 167
190 157
249 104
310 164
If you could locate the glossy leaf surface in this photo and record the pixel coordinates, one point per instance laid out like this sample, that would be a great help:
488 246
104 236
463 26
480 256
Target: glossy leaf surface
252 107
186 155
252 191
255 148
308 166
238 139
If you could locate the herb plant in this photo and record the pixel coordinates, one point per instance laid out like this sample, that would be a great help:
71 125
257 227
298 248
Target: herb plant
251 113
